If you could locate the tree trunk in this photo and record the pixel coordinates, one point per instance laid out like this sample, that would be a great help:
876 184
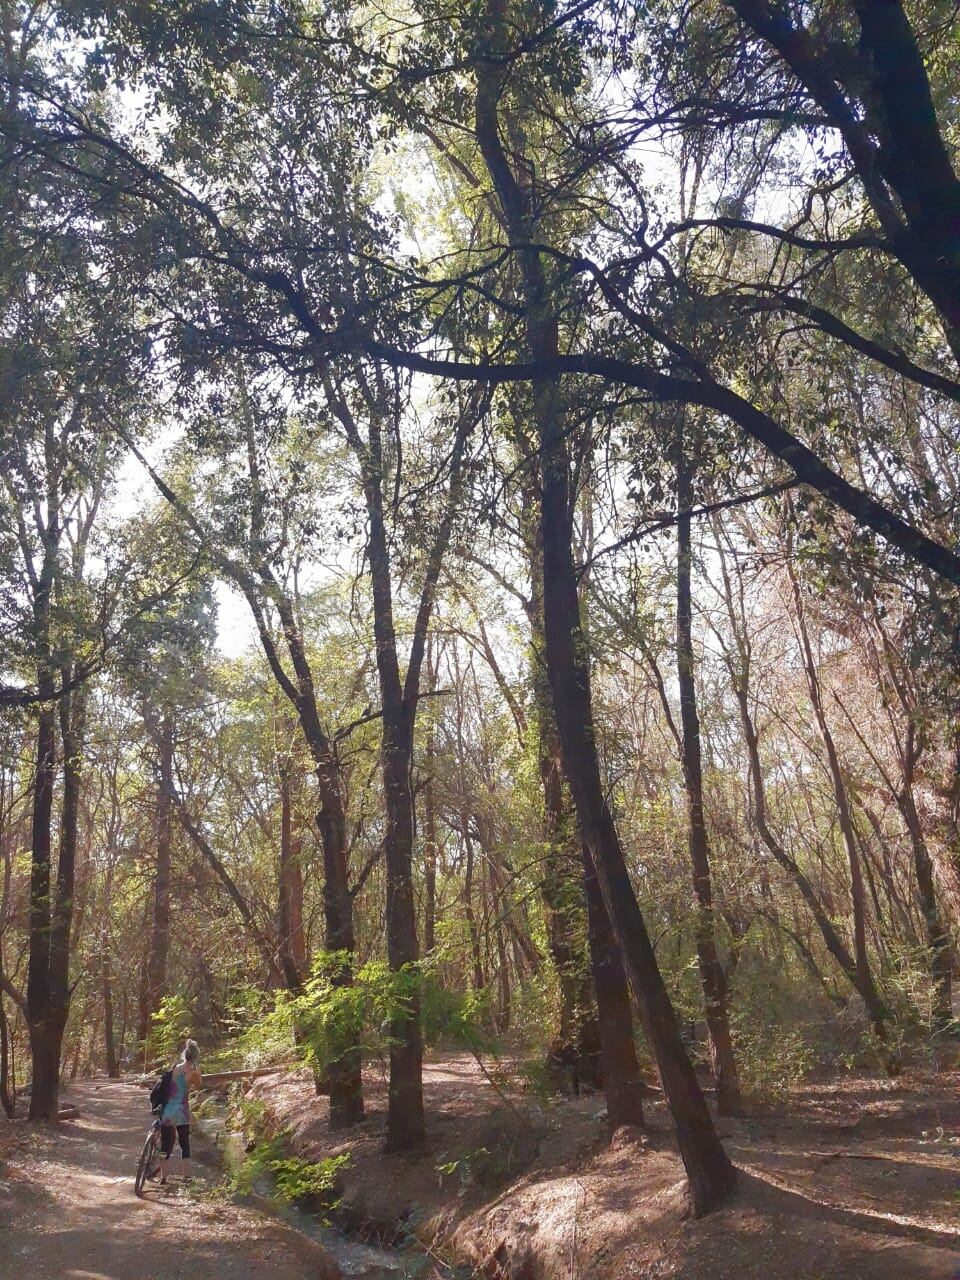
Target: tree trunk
40 1017
160 925
48 991
710 1173
110 1045
712 977
575 1045
498 907
865 983
7 1092
291 942
430 847
344 1076
463 813
470 915
46 1042
622 1083
938 937
740 678
406 1126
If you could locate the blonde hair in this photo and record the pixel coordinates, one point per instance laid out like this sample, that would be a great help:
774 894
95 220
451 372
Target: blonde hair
191 1052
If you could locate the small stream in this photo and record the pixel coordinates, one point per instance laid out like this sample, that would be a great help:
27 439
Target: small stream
354 1258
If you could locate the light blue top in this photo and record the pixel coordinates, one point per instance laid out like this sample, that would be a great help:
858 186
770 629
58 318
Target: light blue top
177 1109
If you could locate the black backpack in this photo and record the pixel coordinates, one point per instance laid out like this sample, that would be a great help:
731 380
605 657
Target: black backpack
160 1093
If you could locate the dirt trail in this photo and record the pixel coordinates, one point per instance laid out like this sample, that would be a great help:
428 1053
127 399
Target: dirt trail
68 1211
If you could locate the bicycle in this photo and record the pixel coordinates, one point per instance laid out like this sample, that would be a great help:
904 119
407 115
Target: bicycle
148 1165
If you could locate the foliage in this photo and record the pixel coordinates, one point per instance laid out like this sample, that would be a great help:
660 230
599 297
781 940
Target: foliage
236 235
267 1158
170 1026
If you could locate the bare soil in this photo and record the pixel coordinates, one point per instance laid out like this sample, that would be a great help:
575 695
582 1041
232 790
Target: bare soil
853 1178
68 1210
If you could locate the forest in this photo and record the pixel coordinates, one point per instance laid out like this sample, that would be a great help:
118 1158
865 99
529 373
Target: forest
479 558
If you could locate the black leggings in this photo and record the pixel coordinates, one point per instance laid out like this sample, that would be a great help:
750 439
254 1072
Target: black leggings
183 1137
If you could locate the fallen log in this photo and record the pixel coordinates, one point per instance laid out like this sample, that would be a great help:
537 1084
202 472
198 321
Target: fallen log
215 1078
68 1113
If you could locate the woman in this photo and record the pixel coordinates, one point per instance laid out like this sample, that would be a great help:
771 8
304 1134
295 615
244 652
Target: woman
175 1117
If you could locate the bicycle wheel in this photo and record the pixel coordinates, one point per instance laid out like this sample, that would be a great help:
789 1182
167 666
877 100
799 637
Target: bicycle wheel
148 1157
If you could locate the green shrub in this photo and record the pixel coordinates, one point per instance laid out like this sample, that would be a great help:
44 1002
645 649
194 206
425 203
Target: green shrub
326 1019
169 1027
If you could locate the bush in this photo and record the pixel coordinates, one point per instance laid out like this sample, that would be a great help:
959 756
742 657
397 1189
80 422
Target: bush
267 1155
781 1028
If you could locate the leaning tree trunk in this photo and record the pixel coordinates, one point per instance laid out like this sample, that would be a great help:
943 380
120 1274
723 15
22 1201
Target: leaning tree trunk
711 1175
620 1070
740 678
596 1021
712 976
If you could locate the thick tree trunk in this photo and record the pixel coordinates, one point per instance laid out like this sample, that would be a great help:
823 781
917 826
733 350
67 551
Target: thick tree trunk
46 1043
38 965
620 1070
46 1032
712 976
573 1055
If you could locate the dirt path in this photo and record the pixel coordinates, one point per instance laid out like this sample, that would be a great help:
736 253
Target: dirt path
68 1211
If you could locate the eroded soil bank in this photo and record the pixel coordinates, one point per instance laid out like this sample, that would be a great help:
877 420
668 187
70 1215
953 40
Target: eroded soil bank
853 1178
